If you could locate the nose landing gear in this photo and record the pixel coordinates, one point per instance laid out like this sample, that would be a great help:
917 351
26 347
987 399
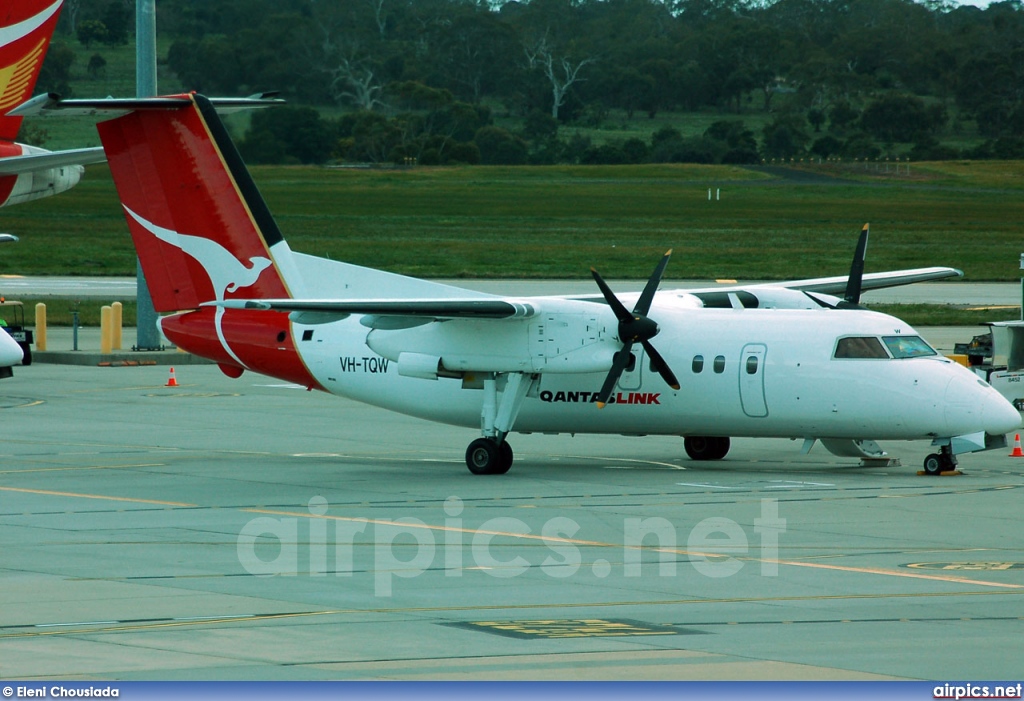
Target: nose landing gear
943 461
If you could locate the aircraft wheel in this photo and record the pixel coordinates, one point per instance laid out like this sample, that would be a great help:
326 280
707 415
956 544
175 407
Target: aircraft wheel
505 458
934 464
486 457
706 447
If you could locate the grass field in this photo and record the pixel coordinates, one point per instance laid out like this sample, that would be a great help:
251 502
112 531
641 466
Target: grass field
555 222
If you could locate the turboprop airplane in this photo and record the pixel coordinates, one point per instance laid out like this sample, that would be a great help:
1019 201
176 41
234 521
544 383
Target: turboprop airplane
658 362
28 172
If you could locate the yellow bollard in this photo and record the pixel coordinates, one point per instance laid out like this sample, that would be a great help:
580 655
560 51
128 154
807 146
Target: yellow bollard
105 331
115 339
40 327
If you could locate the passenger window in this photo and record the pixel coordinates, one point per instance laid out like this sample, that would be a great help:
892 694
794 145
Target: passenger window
752 365
860 347
698 364
908 346
719 366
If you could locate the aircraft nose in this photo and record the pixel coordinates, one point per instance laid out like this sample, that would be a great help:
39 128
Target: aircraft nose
973 405
1000 416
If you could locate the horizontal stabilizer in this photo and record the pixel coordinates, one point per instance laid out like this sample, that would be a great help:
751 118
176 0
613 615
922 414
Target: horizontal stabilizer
50 104
31 162
431 308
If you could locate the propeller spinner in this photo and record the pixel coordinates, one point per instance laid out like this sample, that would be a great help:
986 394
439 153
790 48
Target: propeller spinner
634 327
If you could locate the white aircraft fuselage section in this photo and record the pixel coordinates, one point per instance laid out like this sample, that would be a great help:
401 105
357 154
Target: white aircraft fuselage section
741 372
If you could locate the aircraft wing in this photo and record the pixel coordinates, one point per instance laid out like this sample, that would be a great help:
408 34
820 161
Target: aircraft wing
470 308
16 165
502 308
872 281
49 104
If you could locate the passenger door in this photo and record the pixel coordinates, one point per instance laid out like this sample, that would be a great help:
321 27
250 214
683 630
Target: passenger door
752 364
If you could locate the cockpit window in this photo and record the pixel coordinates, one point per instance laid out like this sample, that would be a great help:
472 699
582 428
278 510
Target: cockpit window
860 347
908 346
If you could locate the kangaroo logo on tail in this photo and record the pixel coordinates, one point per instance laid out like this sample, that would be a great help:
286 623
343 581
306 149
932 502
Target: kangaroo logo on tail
227 274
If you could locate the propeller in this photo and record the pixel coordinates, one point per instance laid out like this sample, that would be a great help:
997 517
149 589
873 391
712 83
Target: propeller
855 280
634 327
851 300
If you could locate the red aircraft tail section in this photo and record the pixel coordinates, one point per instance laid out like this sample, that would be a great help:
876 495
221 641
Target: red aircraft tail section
203 234
200 226
25 30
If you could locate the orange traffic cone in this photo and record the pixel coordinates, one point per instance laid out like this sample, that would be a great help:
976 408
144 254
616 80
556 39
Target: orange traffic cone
1017 452
171 382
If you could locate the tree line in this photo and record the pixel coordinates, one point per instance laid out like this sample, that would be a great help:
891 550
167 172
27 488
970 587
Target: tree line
470 81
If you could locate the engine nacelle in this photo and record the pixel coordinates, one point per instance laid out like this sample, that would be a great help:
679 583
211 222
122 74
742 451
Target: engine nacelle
551 343
42 183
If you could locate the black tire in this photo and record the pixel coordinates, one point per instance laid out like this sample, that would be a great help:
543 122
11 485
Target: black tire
934 464
483 457
26 350
706 447
505 458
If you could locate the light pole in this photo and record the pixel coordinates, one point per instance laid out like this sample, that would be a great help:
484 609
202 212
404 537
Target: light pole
147 336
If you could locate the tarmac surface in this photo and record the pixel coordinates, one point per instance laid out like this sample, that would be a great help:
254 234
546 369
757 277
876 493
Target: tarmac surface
247 529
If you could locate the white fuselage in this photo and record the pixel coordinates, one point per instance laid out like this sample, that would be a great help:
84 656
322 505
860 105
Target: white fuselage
748 372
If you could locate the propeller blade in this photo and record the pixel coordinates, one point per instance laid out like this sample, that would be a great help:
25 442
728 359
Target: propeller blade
659 364
853 283
633 327
643 305
618 365
817 300
621 313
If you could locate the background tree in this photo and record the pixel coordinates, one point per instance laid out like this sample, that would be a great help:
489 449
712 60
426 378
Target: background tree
91 31
55 74
927 77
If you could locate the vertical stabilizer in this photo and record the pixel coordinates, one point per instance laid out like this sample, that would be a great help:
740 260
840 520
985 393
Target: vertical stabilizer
200 226
25 30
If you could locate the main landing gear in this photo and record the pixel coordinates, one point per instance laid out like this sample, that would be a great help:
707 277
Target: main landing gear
491 454
943 461
706 447
485 456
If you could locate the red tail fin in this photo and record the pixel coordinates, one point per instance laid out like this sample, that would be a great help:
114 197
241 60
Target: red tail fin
25 30
200 226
